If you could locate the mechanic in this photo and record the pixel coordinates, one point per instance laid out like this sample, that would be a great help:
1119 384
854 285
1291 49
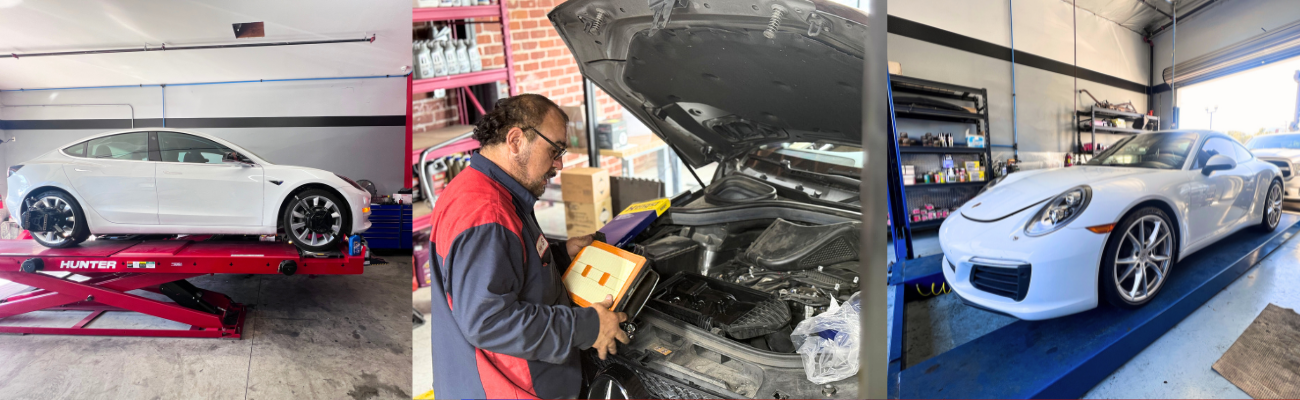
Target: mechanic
503 324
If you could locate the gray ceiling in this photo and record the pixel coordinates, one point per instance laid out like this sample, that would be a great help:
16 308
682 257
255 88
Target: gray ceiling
1142 16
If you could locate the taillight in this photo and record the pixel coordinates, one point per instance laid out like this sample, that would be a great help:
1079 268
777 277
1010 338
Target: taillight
13 169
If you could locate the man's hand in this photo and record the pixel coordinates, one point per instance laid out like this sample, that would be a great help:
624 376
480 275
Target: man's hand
609 329
574 245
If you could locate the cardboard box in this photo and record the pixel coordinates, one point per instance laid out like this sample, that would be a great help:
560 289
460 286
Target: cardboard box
895 68
584 185
586 218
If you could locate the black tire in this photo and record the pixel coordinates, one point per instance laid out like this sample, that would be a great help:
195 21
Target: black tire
312 236
68 238
1119 241
1272 209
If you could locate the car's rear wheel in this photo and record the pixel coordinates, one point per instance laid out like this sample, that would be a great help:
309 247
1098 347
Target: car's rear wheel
1138 257
1272 208
316 221
62 222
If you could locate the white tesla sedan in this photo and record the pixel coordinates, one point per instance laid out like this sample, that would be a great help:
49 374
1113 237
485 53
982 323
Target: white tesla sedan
168 181
1048 243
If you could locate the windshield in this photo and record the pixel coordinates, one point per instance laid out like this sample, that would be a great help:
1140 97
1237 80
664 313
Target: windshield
1275 142
1164 150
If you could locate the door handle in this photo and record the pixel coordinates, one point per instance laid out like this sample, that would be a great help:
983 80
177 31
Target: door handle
80 170
171 173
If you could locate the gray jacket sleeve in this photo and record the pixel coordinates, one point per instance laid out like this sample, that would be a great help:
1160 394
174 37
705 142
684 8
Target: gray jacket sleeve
485 271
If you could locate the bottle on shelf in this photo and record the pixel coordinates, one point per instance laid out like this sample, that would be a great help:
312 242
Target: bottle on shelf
449 54
438 60
462 56
449 3
416 69
475 59
427 63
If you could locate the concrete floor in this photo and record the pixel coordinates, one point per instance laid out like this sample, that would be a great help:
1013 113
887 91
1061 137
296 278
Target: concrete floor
422 347
1178 364
322 337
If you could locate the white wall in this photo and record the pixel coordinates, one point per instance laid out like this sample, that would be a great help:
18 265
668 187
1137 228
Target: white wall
68 25
374 153
1043 28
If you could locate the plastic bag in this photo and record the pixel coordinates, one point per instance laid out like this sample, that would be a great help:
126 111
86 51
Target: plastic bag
829 342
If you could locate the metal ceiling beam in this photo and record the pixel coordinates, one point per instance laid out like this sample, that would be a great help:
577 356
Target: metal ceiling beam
1153 7
1189 13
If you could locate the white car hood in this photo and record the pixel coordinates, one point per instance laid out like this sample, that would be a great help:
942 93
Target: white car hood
1023 189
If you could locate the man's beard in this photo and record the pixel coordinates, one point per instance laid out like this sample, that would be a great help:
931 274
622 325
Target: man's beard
534 186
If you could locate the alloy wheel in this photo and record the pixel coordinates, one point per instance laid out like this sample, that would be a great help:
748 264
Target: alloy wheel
1143 260
64 225
1273 210
315 220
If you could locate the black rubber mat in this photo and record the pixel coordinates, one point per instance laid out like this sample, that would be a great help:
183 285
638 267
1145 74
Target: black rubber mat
1265 361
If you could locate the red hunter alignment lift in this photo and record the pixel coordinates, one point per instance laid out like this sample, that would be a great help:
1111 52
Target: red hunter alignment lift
115 267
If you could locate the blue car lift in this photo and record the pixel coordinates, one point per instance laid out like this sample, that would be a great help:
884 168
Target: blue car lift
1062 357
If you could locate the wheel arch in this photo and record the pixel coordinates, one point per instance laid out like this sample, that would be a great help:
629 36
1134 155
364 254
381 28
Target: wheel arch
1165 207
1169 211
284 204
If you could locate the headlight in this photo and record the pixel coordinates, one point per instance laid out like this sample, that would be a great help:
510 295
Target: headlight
990 185
350 182
1059 211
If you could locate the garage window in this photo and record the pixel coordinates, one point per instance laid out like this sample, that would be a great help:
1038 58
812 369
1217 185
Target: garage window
179 147
126 146
76 150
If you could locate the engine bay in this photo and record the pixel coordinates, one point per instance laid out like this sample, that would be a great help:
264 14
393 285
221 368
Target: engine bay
752 281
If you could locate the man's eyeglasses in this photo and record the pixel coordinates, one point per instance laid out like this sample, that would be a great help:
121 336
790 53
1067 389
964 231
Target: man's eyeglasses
559 151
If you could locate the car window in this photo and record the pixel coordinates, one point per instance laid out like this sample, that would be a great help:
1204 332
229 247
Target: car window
1212 147
126 146
76 150
1243 155
180 147
1162 150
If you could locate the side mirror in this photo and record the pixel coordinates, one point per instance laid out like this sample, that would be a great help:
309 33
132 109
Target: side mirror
1218 163
234 157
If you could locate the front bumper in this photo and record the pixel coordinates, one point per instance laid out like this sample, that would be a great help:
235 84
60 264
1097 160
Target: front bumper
1291 190
359 200
1063 265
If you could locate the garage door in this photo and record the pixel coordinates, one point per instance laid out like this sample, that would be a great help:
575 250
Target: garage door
1280 44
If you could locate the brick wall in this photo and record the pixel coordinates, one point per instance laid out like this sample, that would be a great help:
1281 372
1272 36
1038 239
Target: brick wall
543 65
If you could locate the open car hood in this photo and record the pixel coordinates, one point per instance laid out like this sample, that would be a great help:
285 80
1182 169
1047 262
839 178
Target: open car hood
706 78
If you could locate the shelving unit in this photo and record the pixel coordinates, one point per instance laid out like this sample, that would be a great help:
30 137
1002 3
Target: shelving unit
1097 113
944 195
464 80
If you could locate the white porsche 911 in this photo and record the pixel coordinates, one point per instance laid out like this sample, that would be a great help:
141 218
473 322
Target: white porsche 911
168 181
1047 243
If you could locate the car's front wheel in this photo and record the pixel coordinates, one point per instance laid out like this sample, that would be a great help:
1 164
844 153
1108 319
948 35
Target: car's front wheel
1272 208
55 219
316 221
1137 258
